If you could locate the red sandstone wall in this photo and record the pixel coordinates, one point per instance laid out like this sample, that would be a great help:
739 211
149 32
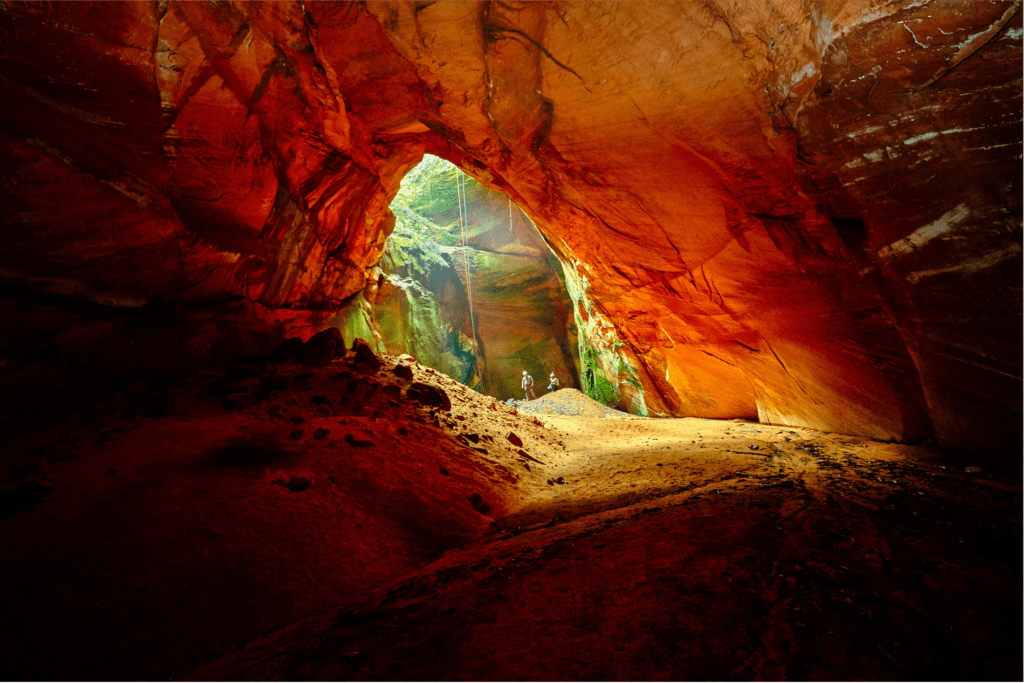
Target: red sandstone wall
807 212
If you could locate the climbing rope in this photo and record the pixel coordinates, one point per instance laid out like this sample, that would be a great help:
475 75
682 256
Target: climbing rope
463 221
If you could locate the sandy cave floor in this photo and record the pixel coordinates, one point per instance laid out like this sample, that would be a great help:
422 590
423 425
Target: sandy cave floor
367 536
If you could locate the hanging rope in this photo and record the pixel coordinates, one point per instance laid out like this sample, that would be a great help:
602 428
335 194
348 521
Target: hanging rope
463 221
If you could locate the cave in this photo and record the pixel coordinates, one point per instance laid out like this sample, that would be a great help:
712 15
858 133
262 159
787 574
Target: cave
776 254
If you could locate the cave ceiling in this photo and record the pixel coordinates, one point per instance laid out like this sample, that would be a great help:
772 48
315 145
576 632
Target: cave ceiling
807 213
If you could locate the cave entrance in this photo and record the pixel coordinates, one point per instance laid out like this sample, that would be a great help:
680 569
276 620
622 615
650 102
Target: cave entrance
471 288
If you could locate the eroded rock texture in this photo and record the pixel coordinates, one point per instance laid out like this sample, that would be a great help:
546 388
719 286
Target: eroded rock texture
803 212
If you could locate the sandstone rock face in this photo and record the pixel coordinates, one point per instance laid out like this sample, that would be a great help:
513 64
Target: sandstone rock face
803 212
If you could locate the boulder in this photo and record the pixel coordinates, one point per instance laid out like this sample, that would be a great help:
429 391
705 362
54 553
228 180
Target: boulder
428 395
323 347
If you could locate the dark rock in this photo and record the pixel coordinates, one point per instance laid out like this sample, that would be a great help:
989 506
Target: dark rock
22 497
157 406
298 419
321 433
323 411
295 482
365 360
157 381
428 395
301 378
296 434
524 454
444 471
514 440
403 371
275 382
291 350
477 501
323 347
392 390
320 356
321 400
23 473
358 443
475 438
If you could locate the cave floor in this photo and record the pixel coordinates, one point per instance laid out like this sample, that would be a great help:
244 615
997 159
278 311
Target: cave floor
240 541
690 548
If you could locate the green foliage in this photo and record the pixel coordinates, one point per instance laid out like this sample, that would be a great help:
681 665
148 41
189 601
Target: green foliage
428 192
602 389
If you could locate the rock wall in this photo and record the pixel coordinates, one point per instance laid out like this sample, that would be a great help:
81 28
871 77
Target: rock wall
804 212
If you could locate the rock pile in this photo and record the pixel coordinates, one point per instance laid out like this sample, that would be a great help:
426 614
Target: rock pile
568 402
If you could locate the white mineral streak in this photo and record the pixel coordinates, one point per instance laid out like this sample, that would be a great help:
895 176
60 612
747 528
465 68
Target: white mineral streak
825 34
980 262
917 239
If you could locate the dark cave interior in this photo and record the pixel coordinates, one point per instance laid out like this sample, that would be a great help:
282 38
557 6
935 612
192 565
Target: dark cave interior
779 244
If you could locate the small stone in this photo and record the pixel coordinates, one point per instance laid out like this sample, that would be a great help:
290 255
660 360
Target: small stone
296 434
403 371
514 440
321 433
323 411
428 395
357 443
296 482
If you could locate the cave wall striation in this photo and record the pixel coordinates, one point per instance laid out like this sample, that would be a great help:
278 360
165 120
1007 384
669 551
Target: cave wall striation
806 213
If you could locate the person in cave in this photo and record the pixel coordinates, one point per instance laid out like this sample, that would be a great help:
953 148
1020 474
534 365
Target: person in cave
528 386
553 384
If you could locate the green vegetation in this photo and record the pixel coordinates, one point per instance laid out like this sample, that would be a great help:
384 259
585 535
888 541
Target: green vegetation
429 194
424 308
419 254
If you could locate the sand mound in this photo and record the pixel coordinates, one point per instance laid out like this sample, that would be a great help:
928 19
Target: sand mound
568 402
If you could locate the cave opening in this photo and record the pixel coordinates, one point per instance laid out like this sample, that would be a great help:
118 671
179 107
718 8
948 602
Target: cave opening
471 288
